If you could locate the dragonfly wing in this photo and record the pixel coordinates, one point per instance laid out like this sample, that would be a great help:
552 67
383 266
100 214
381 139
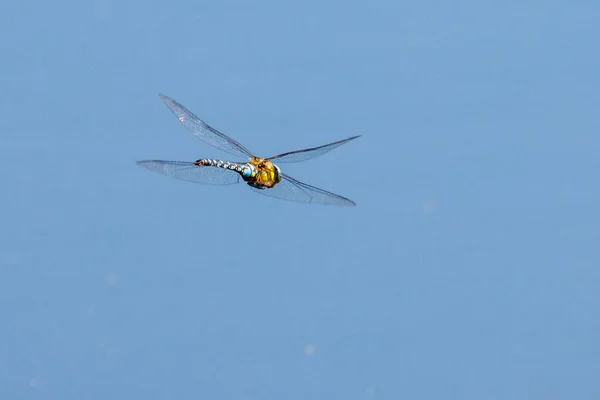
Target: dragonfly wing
191 172
294 190
203 131
307 154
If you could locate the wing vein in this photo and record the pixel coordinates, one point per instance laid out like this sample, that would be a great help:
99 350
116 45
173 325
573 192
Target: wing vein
203 131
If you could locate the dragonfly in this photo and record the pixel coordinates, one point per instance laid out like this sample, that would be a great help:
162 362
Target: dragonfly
261 174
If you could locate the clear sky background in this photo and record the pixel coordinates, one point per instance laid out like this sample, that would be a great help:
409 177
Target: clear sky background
468 270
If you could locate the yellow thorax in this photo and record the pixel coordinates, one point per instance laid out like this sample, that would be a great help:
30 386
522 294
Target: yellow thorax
267 174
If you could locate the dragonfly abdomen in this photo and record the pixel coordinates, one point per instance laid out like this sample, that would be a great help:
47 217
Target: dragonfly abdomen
247 171
207 162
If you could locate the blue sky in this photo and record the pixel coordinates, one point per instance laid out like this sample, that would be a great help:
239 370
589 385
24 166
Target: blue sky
468 270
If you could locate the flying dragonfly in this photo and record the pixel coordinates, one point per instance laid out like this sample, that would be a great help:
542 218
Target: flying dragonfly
261 174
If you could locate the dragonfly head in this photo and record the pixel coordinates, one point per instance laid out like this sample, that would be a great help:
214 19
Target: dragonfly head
278 175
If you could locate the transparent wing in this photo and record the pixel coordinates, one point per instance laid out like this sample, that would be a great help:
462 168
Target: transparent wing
294 190
190 172
203 131
307 154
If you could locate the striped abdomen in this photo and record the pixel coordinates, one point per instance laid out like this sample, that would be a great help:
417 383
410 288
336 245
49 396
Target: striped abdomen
247 171
206 162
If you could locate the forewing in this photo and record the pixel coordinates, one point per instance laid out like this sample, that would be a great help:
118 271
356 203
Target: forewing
190 172
285 190
203 131
307 154
293 190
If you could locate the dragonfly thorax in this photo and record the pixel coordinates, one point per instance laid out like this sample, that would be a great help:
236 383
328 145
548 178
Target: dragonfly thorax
261 173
